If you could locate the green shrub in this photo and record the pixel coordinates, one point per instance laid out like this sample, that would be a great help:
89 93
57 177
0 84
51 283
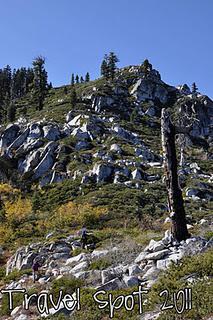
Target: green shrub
17 301
208 235
67 284
100 264
175 278
16 274
2 272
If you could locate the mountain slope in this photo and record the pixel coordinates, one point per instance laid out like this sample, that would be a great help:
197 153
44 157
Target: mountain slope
99 162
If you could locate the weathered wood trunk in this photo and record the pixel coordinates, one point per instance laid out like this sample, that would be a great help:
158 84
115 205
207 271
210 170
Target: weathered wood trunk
175 198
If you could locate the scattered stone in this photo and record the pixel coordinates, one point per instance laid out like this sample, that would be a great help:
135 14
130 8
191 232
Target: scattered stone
51 132
134 269
130 281
112 285
157 255
75 260
115 147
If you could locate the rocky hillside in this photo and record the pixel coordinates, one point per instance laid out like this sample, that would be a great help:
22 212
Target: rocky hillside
99 162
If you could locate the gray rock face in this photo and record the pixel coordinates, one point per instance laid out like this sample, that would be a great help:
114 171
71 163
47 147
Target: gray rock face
77 121
194 246
8 136
77 259
21 260
137 174
115 148
145 153
91 278
82 266
112 285
101 102
102 172
111 273
184 89
151 274
151 111
199 194
51 132
52 177
125 134
28 261
202 109
157 255
18 141
155 246
130 281
134 269
163 264
96 254
45 164
35 131
145 89
82 145
69 116
141 257
46 253
30 162
47 160
80 135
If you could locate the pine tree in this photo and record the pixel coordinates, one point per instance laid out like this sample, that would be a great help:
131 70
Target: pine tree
13 85
65 90
112 60
108 66
11 112
87 77
72 79
73 97
77 79
146 67
39 82
194 88
81 79
104 69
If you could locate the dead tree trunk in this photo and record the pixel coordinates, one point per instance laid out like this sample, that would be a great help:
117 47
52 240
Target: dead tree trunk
175 198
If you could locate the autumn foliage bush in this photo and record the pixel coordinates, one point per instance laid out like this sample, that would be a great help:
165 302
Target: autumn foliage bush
73 215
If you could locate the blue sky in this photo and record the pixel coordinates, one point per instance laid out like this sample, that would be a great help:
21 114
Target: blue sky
74 35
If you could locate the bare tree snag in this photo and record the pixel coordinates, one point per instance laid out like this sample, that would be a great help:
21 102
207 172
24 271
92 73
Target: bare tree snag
175 198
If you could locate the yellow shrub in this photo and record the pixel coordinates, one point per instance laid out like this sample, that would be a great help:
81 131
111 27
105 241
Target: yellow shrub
18 210
5 234
71 214
6 189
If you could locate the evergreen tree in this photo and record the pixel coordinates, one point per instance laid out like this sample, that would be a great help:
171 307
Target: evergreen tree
77 79
194 88
11 112
112 60
87 77
108 66
50 86
72 79
39 82
73 97
13 85
104 69
65 90
81 79
146 67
